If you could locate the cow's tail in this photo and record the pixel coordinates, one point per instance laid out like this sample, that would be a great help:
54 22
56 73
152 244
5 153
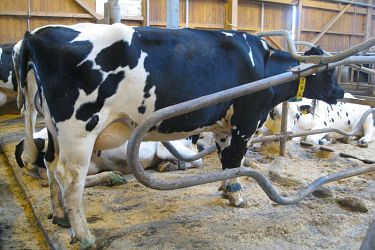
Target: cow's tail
22 59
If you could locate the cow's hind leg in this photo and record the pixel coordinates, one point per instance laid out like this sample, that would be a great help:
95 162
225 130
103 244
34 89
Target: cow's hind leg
59 215
231 151
72 167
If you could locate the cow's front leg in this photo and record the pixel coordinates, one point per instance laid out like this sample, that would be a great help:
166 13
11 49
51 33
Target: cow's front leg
71 173
368 130
108 178
231 150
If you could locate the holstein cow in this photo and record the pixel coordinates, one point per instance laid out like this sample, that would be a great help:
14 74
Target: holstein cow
302 116
98 77
7 76
105 165
344 116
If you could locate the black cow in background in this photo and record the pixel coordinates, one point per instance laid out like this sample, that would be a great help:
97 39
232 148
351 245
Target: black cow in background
7 75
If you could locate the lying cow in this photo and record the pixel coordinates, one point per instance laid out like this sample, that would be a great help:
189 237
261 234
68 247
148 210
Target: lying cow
98 77
302 116
104 165
344 116
7 76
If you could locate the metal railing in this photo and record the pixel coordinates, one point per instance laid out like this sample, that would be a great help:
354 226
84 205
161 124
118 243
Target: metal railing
161 184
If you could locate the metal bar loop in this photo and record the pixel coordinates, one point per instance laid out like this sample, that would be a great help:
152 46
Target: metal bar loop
357 67
318 59
182 108
181 157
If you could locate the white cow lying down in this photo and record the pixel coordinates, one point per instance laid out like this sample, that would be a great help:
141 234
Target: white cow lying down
106 165
344 116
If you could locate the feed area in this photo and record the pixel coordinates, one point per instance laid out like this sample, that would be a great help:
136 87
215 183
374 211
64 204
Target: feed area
132 216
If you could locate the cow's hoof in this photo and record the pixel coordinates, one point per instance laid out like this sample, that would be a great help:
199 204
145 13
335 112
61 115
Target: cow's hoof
167 166
240 203
116 178
62 222
362 144
88 243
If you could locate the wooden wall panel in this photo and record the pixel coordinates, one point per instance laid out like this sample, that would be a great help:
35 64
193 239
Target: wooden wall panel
158 14
278 17
206 14
249 16
349 30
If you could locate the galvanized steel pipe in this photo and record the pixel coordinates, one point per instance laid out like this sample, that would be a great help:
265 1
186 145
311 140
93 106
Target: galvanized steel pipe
318 59
172 111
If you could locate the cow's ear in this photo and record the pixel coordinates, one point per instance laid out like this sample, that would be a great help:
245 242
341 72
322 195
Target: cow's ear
314 51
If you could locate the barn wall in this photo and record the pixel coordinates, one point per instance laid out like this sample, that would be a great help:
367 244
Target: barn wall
349 29
253 16
15 17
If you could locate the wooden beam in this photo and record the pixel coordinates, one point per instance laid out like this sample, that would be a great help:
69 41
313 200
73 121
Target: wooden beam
45 14
332 6
269 38
191 25
88 9
231 10
144 12
61 15
299 19
329 24
368 23
284 2
333 32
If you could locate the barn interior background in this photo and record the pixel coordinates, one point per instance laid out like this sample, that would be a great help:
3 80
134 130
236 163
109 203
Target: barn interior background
335 25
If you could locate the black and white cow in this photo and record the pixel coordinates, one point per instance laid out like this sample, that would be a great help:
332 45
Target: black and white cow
98 77
344 116
106 165
302 116
7 76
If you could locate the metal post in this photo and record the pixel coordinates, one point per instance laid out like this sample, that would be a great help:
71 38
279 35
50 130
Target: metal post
262 18
173 14
187 14
148 13
284 128
114 11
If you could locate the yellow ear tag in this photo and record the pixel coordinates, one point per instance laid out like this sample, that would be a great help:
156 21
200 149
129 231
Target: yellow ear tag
301 88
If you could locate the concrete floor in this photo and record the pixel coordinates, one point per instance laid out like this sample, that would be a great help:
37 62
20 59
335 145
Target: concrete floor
132 216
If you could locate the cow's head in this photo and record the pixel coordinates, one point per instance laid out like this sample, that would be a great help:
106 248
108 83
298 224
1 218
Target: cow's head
40 145
7 77
323 85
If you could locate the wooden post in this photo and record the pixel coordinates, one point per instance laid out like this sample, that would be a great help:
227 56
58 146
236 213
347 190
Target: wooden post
145 12
299 19
230 20
262 18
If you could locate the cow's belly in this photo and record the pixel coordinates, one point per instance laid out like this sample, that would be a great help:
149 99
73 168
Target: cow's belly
119 131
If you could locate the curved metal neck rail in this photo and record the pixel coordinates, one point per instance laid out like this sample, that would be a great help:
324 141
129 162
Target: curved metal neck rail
273 138
318 59
357 67
156 183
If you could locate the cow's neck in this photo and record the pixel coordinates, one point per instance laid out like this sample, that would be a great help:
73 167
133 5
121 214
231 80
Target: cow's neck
279 63
284 92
